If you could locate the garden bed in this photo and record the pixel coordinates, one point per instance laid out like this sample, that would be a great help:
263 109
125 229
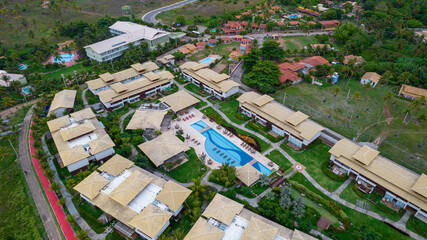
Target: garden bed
195 89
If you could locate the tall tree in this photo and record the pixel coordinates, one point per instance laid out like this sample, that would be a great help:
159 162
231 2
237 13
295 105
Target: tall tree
271 50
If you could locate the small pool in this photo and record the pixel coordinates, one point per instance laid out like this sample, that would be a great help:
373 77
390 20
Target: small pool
263 169
26 90
22 66
65 57
200 125
213 29
207 60
221 149
293 16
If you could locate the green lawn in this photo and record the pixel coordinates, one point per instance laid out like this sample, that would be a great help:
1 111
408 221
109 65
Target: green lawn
356 218
417 226
68 71
231 110
90 214
209 111
350 196
113 235
298 42
195 89
279 159
193 168
91 99
312 158
317 103
256 127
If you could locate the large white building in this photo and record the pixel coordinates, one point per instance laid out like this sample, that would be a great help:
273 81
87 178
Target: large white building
126 34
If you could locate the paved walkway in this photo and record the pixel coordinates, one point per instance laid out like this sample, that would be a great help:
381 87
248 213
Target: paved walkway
343 186
85 102
68 199
36 192
151 16
122 118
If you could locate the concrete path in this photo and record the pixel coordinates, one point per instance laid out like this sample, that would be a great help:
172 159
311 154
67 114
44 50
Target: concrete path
122 118
36 192
85 102
343 186
10 111
68 199
151 16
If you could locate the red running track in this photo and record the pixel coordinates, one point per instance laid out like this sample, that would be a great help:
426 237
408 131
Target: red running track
53 200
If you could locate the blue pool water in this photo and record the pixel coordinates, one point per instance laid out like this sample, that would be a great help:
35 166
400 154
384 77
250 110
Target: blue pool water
22 67
26 90
199 125
207 60
224 149
263 169
293 16
65 57
213 29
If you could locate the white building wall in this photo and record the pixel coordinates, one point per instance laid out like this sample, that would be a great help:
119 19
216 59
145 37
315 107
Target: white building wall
77 165
59 112
231 92
307 142
104 154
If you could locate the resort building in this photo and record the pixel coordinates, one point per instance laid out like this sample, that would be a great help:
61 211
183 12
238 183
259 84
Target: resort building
126 35
370 78
105 80
232 28
290 71
179 101
248 175
62 101
227 219
168 60
401 188
133 91
308 12
210 81
330 23
146 119
295 126
141 202
11 78
80 139
412 92
165 148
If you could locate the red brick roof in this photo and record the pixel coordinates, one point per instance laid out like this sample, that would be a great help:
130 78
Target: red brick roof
315 60
213 40
225 39
288 75
232 24
238 16
263 26
275 7
261 15
270 10
254 25
200 44
291 66
330 23
311 22
309 12
294 23
281 23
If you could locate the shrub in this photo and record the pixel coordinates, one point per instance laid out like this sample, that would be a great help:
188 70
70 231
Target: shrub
330 174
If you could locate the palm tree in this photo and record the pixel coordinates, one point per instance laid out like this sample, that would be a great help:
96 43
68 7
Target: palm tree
55 186
8 102
5 78
264 180
356 95
83 235
4 153
57 56
198 188
335 91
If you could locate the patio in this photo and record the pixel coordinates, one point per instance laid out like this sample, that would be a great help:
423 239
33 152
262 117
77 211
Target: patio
199 140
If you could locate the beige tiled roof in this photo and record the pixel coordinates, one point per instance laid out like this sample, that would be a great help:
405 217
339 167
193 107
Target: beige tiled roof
180 100
58 123
297 118
202 230
143 119
173 195
365 155
116 165
258 229
119 87
216 81
420 185
412 91
374 77
63 99
278 114
102 143
130 187
106 77
91 185
262 100
86 113
151 76
122 213
222 209
163 147
77 131
248 174
384 172
151 220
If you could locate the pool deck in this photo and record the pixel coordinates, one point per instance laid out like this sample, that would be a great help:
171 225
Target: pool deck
188 129
67 64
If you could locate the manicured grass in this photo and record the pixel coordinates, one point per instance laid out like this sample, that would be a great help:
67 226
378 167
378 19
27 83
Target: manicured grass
350 196
90 214
253 191
67 71
298 42
195 89
356 218
200 104
261 130
279 159
312 158
113 235
210 111
231 110
91 99
193 168
417 226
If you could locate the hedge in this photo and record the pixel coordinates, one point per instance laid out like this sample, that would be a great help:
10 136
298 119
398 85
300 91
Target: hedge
330 174
332 206
357 191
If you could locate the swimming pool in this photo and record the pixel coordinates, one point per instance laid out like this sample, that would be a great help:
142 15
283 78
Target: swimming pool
222 150
65 57
263 169
22 66
26 90
200 125
293 16
207 60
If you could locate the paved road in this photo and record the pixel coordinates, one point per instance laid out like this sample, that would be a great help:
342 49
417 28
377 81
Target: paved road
36 192
151 16
10 111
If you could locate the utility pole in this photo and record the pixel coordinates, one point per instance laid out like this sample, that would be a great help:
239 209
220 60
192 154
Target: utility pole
63 79
348 94
284 99
13 147
75 76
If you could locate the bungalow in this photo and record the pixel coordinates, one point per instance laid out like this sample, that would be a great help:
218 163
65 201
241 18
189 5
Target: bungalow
232 27
180 101
311 23
330 23
308 12
270 10
254 26
217 84
146 119
245 48
281 24
80 139
201 45
245 41
184 50
370 78
294 23
244 23
275 8
235 55
295 126
213 42
63 101
227 219
246 13
263 27
225 40
166 60
289 76
412 92
315 60
141 202
238 38
165 148
400 188
262 15
248 175
238 16
191 48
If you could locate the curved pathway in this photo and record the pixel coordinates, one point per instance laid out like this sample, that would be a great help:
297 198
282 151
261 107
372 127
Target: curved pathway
151 16
36 192
122 118
85 102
